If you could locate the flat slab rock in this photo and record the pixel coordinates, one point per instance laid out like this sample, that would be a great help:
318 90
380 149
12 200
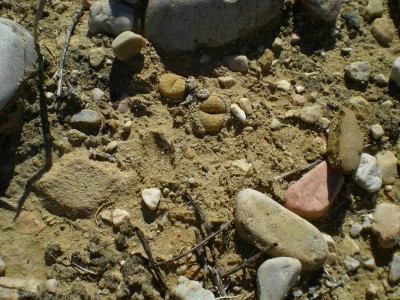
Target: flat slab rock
186 25
261 221
345 142
276 277
311 196
76 186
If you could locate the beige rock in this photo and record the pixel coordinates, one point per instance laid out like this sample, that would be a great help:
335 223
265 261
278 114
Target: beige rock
348 246
387 162
96 57
345 142
127 45
172 86
383 31
386 224
262 221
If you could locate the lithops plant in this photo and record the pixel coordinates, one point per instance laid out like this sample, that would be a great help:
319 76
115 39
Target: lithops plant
172 86
211 116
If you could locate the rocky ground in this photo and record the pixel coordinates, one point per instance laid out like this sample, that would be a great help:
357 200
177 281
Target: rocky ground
118 156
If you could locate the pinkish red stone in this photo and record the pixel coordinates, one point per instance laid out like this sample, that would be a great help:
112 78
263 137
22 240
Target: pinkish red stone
298 100
311 196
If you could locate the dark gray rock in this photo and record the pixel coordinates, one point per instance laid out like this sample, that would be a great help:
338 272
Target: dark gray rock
87 121
17 57
326 10
186 25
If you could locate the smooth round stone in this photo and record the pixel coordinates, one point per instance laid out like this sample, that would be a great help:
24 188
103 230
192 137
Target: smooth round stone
283 85
310 114
368 174
383 31
18 55
86 120
245 104
187 25
237 63
96 57
172 86
261 221
394 271
110 17
276 276
238 112
351 18
326 10
374 9
127 45
191 290
111 147
358 71
395 75
119 217
351 264
151 197
345 142
226 82
388 163
386 224
377 131
275 124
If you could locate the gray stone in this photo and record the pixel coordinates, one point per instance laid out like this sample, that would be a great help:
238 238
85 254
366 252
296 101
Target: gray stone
351 264
358 71
18 57
237 63
394 271
186 25
110 17
377 131
356 229
386 224
351 18
310 114
388 163
374 9
261 221
368 174
76 186
191 290
276 277
395 75
326 10
86 120
127 45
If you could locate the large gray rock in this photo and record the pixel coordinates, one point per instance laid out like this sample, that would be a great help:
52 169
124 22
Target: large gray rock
111 17
276 277
261 221
186 25
17 56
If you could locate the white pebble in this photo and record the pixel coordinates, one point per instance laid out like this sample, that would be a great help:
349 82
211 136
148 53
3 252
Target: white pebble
151 197
238 112
283 85
97 94
377 131
372 289
299 89
351 264
368 174
120 216
370 264
127 127
51 285
275 124
356 230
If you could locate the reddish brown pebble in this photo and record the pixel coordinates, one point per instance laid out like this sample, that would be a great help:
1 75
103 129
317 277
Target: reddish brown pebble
311 196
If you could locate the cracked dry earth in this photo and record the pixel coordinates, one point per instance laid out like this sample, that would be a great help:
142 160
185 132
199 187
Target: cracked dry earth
64 181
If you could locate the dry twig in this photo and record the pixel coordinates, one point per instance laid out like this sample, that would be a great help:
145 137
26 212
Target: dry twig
299 170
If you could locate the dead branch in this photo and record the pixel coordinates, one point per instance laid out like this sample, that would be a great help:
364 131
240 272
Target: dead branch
299 170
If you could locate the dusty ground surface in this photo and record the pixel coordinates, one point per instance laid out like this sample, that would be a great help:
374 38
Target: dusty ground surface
161 151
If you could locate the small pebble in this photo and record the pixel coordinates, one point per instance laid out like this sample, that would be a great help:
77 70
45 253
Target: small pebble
97 94
86 120
283 85
381 79
237 63
119 217
310 114
295 38
386 224
238 112
372 289
346 51
348 246
395 75
106 215
111 147
51 285
394 271
245 104
241 165
127 127
127 45
151 197
299 89
298 100
377 131
123 106
277 45
351 18
181 270
275 124
383 31
370 264
202 94
387 104
351 264
358 71
324 122
368 174
356 230
2 266
96 57
388 163
226 82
